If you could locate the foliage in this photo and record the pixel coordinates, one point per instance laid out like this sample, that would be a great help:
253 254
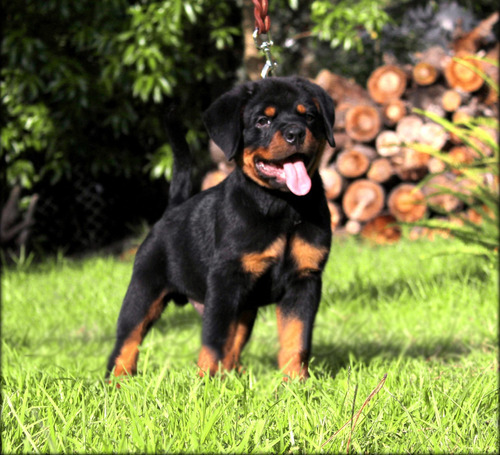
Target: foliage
342 22
429 324
83 83
478 182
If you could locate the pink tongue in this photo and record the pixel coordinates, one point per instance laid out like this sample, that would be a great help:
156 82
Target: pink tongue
297 179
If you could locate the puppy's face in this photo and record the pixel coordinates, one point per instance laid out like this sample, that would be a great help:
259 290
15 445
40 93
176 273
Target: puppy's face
276 131
282 141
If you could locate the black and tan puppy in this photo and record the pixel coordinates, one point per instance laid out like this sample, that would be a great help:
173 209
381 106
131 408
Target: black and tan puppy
261 236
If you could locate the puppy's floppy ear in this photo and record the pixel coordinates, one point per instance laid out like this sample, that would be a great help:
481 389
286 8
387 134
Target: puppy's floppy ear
326 106
223 119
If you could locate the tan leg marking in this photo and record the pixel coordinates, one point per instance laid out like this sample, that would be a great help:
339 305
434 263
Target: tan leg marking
292 358
126 362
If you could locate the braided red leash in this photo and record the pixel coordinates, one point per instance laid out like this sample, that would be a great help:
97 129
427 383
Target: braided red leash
262 20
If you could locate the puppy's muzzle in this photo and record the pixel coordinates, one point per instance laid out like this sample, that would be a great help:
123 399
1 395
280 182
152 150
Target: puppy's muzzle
294 134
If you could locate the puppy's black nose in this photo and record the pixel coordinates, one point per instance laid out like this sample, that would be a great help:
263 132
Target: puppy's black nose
294 134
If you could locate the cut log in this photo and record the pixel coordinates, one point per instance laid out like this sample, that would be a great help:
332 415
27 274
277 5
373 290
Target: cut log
473 215
438 197
380 171
327 155
471 41
355 161
383 229
461 116
451 100
386 83
411 165
407 203
491 64
342 89
333 182
388 143
461 77
433 135
435 56
424 73
335 215
461 154
428 99
408 129
393 111
353 227
363 200
340 115
435 165
363 123
212 178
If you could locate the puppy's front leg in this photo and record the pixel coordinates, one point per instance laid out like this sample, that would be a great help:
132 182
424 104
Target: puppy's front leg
295 317
223 339
226 326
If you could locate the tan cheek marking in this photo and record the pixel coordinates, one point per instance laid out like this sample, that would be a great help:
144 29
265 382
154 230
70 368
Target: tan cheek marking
126 362
307 257
257 263
247 163
270 111
301 109
292 358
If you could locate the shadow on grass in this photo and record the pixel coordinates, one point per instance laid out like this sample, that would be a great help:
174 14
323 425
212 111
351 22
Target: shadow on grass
329 360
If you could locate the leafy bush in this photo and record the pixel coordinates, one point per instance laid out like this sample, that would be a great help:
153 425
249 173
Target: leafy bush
82 83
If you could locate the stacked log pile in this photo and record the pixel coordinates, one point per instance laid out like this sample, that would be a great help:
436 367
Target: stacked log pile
371 177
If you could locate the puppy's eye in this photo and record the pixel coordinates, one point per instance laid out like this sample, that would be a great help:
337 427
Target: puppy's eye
310 117
263 122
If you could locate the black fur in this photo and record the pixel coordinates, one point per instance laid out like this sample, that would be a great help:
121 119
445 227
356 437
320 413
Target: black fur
245 243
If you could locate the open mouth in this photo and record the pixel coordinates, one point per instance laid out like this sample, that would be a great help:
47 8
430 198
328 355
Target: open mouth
291 171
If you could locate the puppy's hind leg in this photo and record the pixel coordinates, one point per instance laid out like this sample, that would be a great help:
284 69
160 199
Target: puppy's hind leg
143 304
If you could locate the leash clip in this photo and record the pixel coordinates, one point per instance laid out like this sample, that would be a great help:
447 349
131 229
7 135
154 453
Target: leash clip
265 47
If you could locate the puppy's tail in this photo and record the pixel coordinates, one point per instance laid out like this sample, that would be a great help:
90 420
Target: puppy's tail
180 185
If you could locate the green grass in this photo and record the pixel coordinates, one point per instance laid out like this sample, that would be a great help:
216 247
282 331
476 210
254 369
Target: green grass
429 323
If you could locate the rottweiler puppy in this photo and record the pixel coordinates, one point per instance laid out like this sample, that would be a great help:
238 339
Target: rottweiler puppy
261 236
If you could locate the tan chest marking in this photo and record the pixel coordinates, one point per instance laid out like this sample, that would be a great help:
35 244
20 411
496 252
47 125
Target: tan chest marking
307 257
257 263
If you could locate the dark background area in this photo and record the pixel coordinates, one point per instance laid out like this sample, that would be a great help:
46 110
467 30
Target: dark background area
85 86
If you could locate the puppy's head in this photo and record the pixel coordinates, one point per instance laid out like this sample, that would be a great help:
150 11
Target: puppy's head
275 129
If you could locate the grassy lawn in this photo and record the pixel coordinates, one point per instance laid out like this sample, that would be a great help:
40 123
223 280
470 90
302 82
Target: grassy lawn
427 322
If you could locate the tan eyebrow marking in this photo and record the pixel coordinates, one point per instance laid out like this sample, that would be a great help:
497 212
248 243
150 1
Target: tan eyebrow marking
270 111
301 109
